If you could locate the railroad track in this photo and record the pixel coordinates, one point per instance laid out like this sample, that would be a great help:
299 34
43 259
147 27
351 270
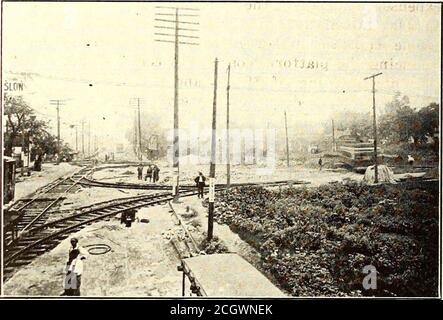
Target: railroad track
184 243
126 185
44 237
39 236
34 211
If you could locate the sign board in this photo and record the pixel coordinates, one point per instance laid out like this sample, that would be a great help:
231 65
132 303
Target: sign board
13 86
211 189
17 150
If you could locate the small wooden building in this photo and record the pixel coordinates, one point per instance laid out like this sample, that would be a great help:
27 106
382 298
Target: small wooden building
8 179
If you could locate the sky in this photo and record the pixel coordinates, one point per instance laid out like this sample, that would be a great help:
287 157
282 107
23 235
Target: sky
306 59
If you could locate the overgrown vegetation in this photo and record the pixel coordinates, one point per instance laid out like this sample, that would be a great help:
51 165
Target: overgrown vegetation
402 128
213 246
315 242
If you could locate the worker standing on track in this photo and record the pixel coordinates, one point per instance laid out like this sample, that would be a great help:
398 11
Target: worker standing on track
200 181
149 173
156 173
140 171
74 269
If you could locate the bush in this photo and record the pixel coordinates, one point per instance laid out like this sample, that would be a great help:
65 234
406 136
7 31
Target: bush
317 241
213 246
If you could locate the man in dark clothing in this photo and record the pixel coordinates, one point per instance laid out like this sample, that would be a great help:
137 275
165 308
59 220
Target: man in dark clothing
74 269
320 163
140 171
149 173
156 172
200 181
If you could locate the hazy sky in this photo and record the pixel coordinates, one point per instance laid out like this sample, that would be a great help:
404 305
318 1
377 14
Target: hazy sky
308 59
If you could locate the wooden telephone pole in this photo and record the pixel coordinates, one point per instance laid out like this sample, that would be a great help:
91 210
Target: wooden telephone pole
57 103
287 141
76 138
164 37
333 136
140 152
374 124
89 138
75 126
83 139
137 129
213 158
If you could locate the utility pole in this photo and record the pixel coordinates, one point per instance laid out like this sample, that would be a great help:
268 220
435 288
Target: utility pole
287 141
135 135
374 123
137 130
228 155
213 158
57 103
75 126
140 152
333 136
76 138
254 156
89 138
163 37
83 139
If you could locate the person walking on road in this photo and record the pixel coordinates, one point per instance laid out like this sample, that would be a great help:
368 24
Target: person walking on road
74 269
140 172
200 181
320 163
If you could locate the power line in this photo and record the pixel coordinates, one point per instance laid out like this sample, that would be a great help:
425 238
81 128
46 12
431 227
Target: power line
228 155
213 158
374 123
138 130
57 103
287 141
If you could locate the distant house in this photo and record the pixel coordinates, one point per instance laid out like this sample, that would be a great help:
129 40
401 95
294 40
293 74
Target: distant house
341 133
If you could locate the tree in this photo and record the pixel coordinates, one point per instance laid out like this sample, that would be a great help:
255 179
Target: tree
399 101
398 126
21 120
149 127
18 117
429 119
358 123
400 121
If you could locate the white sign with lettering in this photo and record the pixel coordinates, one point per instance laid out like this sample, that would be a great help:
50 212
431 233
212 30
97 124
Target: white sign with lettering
211 189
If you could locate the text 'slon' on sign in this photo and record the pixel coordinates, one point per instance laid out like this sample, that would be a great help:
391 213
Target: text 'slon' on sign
13 86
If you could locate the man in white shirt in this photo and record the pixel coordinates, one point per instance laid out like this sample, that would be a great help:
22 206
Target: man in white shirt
74 268
410 160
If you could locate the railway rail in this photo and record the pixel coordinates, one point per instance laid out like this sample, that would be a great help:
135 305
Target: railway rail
41 237
126 185
44 237
33 212
38 234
